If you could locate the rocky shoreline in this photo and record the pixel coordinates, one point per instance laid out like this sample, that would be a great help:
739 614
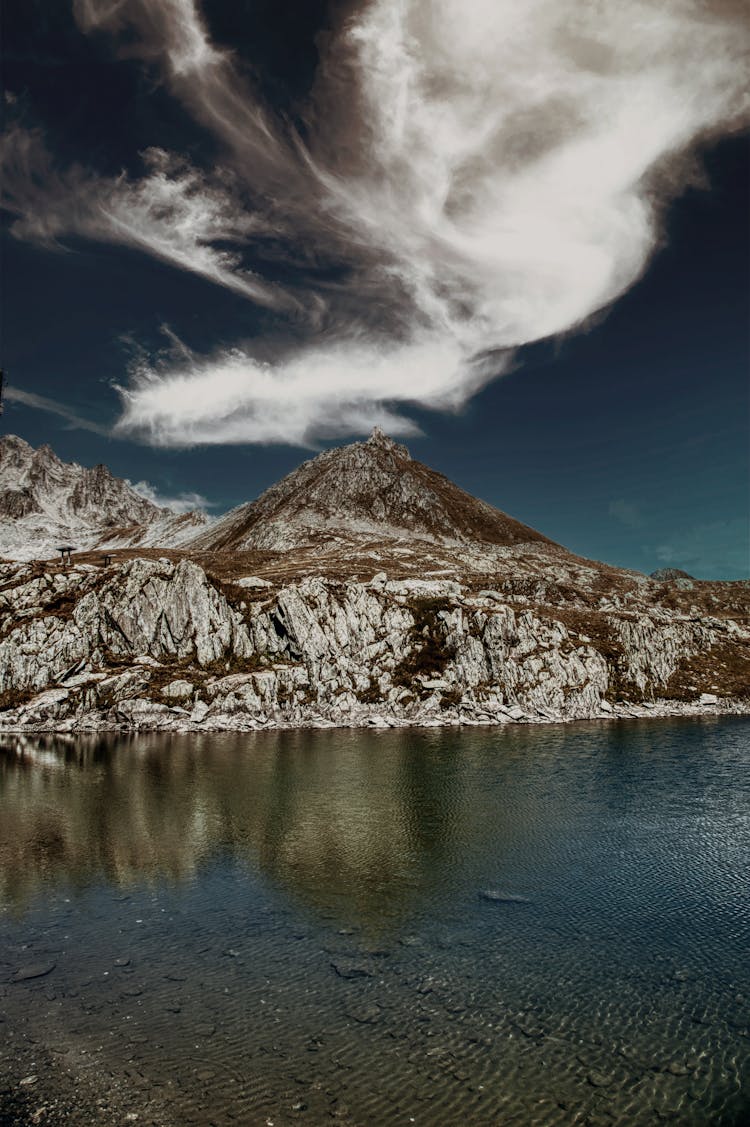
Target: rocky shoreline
147 720
158 644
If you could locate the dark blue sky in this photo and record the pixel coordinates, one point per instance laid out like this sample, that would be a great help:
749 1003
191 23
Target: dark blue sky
627 441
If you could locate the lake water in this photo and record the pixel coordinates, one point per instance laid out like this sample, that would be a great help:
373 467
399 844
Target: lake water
544 925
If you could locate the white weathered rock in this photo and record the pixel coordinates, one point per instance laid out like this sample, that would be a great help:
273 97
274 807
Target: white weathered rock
199 712
178 690
319 652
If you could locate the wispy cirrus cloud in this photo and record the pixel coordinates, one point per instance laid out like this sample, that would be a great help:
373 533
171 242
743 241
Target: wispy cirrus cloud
43 403
230 397
172 212
486 174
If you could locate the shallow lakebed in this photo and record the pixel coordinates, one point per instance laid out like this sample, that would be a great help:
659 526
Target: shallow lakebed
544 925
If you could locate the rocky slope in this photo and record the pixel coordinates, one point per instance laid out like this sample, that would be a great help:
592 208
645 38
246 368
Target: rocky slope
363 589
45 502
366 490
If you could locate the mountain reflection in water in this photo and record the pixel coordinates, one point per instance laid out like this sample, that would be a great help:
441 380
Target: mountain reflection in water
531 925
370 823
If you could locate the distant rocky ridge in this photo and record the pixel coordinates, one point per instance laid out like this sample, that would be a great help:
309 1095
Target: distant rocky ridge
363 589
45 502
666 574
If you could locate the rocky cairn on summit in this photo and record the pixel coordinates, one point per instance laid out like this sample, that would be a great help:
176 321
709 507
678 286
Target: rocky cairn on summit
362 589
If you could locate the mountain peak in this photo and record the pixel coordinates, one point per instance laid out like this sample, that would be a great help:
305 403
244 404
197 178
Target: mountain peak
382 441
366 491
14 442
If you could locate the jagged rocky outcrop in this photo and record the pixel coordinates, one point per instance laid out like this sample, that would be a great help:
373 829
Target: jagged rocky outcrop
158 643
45 502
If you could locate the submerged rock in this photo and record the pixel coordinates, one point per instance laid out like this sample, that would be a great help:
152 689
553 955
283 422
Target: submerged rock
352 968
33 970
497 897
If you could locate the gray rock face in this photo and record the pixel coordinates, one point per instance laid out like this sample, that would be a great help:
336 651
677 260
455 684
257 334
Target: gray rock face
158 644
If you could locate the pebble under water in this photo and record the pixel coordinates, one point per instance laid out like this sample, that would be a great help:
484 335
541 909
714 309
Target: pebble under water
528 925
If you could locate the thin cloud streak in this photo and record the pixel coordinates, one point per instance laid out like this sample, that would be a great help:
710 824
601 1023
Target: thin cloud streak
42 403
172 34
486 175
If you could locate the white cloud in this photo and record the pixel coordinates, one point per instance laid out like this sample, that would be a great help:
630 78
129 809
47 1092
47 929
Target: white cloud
508 148
175 214
181 503
491 172
232 398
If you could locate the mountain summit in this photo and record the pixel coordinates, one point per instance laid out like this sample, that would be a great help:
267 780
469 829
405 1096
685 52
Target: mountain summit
371 489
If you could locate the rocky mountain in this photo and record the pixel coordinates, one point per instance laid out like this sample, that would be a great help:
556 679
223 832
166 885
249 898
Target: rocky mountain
45 502
364 491
363 589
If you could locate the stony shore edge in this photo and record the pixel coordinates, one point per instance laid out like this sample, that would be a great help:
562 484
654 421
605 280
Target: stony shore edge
143 722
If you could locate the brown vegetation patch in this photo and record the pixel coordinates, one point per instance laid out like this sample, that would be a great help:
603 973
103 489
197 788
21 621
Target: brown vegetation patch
537 589
236 595
452 698
430 653
255 663
62 606
724 669
372 694
14 698
721 598
177 669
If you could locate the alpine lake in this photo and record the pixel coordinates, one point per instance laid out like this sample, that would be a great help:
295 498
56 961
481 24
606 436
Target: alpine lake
522 925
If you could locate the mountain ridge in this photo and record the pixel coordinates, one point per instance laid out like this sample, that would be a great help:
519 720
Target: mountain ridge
45 502
363 589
